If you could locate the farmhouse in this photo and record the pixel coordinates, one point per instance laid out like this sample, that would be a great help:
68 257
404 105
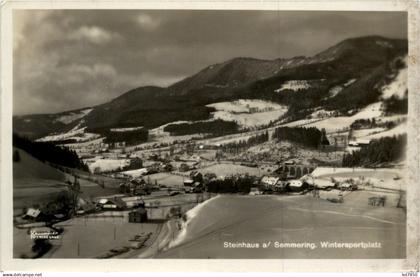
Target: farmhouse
84 206
188 182
137 216
347 186
359 142
33 214
196 176
270 182
134 187
255 191
112 204
297 185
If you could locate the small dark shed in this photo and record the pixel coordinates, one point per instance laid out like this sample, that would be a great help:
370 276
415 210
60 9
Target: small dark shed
137 216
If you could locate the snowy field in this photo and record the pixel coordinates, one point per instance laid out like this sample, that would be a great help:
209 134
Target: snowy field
389 178
297 219
337 123
362 133
227 169
248 113
398 130
135 173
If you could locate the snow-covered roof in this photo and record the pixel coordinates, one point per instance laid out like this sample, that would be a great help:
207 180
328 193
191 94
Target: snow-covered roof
103 201
269 180
363 141
345 185
33 212
295 183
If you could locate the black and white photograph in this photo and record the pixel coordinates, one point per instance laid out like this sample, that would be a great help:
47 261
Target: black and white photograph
210 134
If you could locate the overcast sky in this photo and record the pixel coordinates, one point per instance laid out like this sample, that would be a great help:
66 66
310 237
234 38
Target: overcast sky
72 59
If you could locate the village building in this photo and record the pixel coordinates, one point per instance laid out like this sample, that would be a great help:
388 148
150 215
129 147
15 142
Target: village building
196 176
270 182
345 186
134 187
84 206
137 216
359 142
198 187
112 204
188 182
32 214
297 185
189 185
255 191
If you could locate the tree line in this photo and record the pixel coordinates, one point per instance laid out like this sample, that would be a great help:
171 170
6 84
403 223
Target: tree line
238 146
216 127
129 137
231 184
371 123
49 152
309 137
396 105
383 150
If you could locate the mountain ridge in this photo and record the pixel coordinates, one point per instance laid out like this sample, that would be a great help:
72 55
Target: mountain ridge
240 77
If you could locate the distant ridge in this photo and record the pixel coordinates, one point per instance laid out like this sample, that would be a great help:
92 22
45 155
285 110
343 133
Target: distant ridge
366 59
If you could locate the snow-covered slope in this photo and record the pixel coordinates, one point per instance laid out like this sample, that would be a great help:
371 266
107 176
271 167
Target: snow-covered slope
73 116
77 134
398 86
248 113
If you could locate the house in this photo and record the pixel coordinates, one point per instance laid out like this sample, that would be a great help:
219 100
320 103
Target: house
377 201
184 167
189 185
112 204
32 214
359 142
270 182
84 206
188 182
137 216
196 176
198 187
255 191
297 185
134 187
119 144
133 201
347 186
